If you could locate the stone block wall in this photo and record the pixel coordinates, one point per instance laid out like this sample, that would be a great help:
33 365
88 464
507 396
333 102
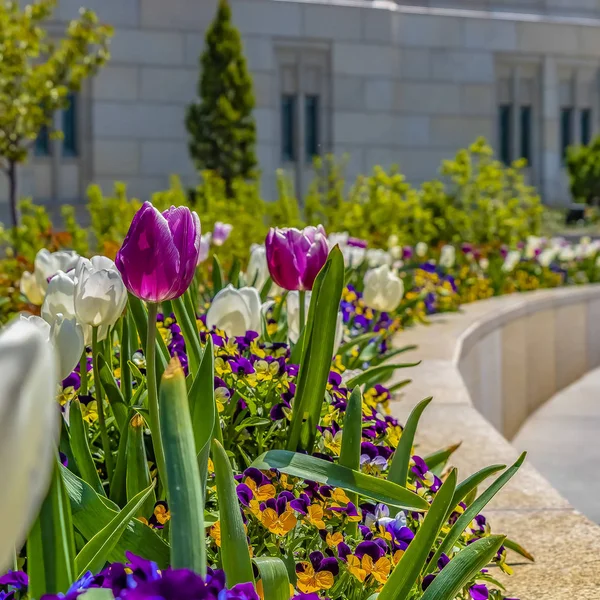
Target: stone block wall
405 83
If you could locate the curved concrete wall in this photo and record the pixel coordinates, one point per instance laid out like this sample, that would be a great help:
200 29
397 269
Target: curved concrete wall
489 367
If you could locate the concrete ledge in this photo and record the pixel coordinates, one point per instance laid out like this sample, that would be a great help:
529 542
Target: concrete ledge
489 367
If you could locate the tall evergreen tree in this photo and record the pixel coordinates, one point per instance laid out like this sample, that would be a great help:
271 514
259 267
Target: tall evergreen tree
221 125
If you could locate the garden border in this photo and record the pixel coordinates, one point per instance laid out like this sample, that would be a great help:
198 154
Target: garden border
489 367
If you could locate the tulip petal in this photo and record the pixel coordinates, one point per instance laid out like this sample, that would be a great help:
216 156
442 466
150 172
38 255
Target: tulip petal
28 429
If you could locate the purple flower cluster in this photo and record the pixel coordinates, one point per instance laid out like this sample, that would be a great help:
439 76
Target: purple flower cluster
140 579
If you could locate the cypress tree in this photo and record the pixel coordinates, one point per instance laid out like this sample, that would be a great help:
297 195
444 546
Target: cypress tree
222 130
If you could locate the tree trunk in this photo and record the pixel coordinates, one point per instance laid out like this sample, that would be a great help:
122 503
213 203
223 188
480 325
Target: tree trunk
12 192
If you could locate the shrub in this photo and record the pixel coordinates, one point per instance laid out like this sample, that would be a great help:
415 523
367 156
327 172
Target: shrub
221 125
583 166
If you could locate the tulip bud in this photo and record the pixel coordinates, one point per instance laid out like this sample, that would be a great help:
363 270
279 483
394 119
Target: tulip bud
100 294
421 249
28 430
257 272
295 257
447 256
221 232
160 252
383 289
235 311
511 261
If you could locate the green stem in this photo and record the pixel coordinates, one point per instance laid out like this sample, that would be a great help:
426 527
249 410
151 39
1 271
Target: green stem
100 404
159 454
83 373
302 301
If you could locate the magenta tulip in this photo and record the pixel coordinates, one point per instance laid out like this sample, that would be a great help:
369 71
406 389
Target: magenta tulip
159 255
295 257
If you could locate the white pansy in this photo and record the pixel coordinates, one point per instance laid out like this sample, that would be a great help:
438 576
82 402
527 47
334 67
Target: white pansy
100 294
257 272
421 249
532 245
29 430
484 263
66 335
447 256
396 252
393 241
383 289
511 261
235 311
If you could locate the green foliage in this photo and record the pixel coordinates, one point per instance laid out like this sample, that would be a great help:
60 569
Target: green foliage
583 166
36 74
478 200
221 125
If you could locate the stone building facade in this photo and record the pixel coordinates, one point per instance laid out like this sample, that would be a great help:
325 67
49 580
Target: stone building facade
386 82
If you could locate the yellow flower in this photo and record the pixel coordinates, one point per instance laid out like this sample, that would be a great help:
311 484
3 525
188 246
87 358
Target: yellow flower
339 495
279 524
215 533
315 516
89 411
334 539
309 581
361 569
333 442
161 513
256 349
262 492
222 367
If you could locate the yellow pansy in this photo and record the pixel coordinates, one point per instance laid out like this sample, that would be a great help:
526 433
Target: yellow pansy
315 516
310 581
279 524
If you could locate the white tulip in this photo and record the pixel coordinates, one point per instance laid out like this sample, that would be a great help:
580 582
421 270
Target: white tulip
421 249
393 240
377 257
235 311
30 289
353 256
28 430
257 272
60 297
396 252
340 239
66 335
100 294
447 256
47 264
511 261
546 257
204 247
293 319
383 289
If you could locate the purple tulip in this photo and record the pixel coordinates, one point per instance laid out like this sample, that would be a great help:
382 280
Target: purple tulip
159 255
220 233
295 257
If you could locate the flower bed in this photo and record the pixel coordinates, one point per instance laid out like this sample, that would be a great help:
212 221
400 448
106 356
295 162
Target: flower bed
231 438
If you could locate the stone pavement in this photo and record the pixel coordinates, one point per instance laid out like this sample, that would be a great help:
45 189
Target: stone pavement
563 442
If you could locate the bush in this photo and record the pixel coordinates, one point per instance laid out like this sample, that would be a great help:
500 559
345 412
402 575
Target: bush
583 166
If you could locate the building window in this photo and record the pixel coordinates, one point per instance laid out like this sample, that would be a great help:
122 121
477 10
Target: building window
585 121
505 137
566 129
288 127
42 142
69 125
312 126
526 133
